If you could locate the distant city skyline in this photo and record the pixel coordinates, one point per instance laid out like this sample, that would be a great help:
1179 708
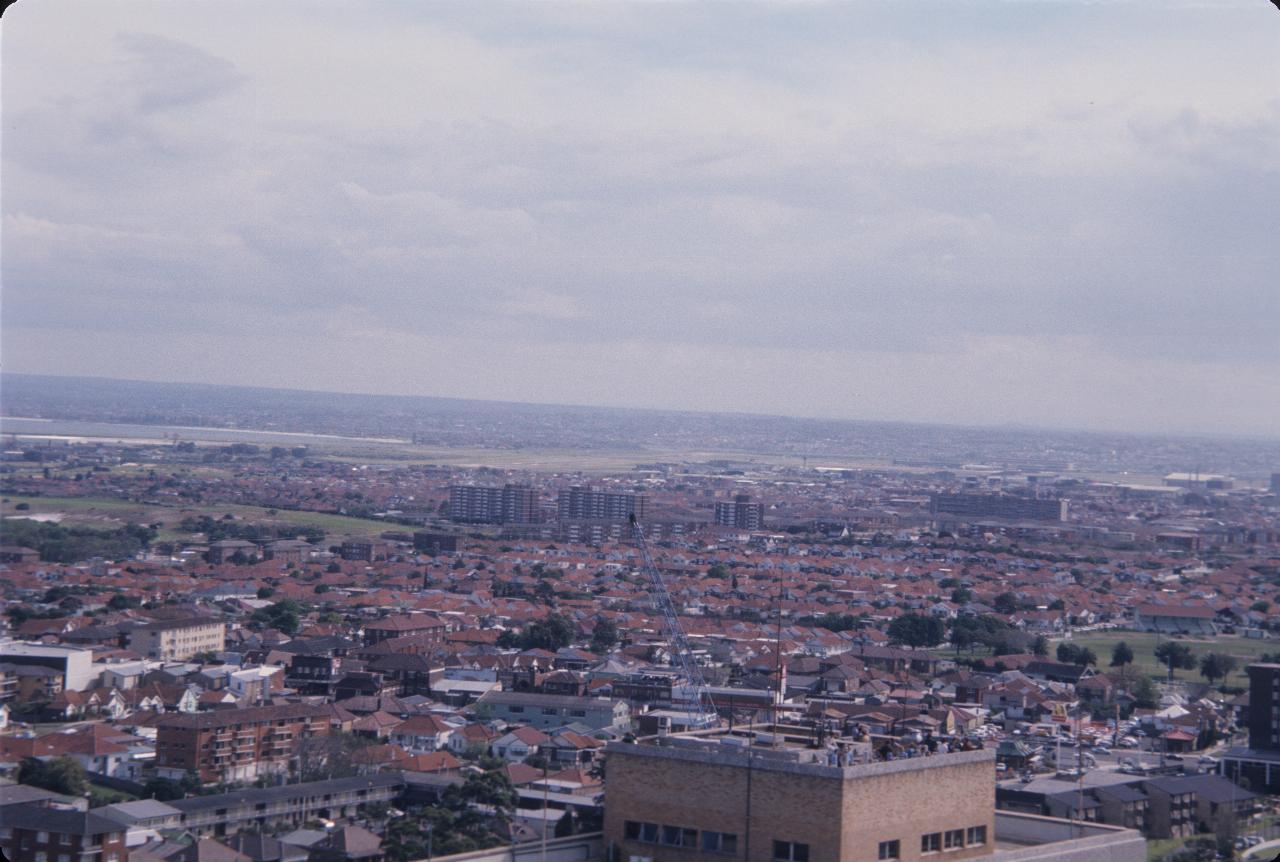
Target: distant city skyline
982 214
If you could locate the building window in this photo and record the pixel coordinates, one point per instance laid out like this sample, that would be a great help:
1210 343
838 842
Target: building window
42 857
977 835
42 837
790 851
953 839
931 843
64 857
64 838
678 836
516 708
640 831
719 842
890 849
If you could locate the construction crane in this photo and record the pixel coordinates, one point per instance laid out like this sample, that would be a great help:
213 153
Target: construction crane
701 711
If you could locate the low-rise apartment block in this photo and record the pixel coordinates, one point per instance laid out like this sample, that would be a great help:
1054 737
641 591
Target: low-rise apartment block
547 711
236 744
178 640
33 832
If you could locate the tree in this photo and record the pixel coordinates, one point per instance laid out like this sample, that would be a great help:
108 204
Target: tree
1216 665
553 633
604 636
266 592
1121 655
1040 646
282 615
1145 694
988 631
961 596
1174 655
59 774
493 789
332 755
164 789
962 637
121 602
917 630
1069 653
1005 603
1261 606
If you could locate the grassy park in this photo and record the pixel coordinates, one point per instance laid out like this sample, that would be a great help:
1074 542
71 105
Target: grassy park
106 513
1143 644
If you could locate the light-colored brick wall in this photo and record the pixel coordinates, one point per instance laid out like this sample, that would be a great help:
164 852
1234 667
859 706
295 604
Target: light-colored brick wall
905 805
842 815
180 644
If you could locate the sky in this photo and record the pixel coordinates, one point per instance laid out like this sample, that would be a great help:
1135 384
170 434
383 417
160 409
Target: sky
1041 213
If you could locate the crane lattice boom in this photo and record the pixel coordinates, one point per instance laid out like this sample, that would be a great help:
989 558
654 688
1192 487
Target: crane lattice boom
702 711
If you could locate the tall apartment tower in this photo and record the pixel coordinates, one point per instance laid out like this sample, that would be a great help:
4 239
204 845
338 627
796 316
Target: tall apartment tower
1264 707
588 504
741 513
1258 766
480 504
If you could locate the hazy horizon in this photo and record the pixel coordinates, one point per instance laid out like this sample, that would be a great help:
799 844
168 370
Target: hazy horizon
1005 426
988 214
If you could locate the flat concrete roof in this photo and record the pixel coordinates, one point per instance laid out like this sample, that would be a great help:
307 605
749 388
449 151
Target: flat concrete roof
799 761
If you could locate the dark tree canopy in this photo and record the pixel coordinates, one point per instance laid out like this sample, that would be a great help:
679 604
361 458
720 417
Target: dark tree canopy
1005 603
1069 653
1174 656
1121 655
604 637
553 633
917 630
1215 666
59 774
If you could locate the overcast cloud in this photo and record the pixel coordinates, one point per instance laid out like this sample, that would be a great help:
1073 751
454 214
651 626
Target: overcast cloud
1047 213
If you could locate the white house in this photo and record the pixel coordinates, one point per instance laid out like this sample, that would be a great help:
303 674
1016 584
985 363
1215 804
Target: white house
519 743
422 733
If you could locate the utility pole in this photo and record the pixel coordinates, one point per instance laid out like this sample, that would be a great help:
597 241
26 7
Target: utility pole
544 810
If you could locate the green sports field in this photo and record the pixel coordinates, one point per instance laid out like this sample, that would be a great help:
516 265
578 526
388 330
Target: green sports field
104 513
1144 644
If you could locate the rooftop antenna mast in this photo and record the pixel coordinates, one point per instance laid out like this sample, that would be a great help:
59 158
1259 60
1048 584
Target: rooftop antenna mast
702 712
